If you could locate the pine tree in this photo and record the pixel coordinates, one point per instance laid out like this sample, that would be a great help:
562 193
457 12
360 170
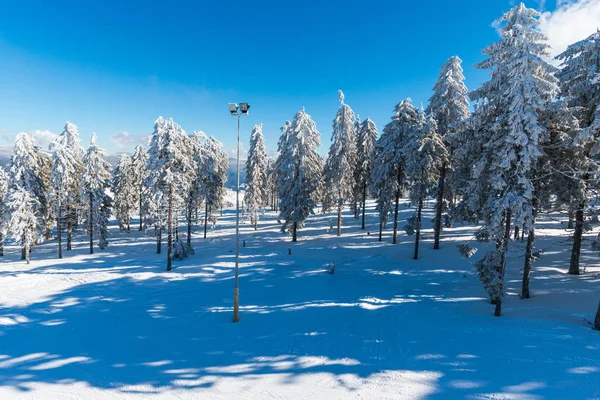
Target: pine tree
521 87
425 157
139 170
281 157
125 191
388 161
3 207
300 172
579 79
69 141
256 174
95 205
341 161
271 184
450 107
23 225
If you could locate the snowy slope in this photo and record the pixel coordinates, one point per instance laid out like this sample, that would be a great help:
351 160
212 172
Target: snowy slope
383 326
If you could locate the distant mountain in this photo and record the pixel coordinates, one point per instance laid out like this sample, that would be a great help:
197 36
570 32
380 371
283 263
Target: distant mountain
231 177
5 153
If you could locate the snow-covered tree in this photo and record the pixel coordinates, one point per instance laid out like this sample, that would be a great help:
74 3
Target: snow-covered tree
580 86
139 170
300 171
3 207
215 173
281 156
366 137
388 161
125 192
271 184
28 171
95 204
70 146
341 161
425 156
64 172
450 107
23 225
256 195
521 87
169 164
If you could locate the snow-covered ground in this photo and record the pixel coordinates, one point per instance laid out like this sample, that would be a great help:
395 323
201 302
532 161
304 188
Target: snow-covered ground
383 326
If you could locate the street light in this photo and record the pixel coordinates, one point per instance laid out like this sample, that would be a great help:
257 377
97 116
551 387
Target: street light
237 111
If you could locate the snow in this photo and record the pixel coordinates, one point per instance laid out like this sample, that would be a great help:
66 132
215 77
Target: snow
116 325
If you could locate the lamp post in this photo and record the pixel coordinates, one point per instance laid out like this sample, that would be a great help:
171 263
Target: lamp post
237 111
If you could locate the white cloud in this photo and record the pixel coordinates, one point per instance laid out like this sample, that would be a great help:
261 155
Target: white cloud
43 138
125 139
573 20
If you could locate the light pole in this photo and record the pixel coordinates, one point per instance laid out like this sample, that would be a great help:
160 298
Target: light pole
237 111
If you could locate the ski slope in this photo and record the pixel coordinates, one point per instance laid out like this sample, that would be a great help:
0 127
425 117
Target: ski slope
116 325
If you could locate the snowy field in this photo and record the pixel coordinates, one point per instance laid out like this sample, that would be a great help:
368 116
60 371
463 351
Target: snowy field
115 325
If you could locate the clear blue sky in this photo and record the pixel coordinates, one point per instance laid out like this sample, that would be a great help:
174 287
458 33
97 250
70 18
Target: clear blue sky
108 66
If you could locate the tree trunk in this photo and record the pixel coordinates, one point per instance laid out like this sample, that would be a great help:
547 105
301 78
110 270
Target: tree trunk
91 227
597 320
255 221
501 268
516 236
170 229
189 226
418 232
395 234
577 237
23 253
27 253
141 218
380 230
128 221
528 258
571 217
69 228
364 201
294 232
205 219
59 229
339 222
1 244
439 208
158 239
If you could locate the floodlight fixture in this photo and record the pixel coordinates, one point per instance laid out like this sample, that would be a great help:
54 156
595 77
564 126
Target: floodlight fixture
233 108
244 107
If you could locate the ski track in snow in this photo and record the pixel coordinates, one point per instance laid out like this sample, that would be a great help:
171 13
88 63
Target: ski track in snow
115 325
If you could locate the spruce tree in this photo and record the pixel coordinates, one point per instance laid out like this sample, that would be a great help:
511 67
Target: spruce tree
300 172
95 204
521 87
388 161
579 87
365 142
425 157
256 196
139 169
23 224
28 171
3 208
450 107
71 149
341 161
125 192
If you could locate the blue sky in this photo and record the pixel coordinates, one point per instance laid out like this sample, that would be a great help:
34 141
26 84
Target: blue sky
114 66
